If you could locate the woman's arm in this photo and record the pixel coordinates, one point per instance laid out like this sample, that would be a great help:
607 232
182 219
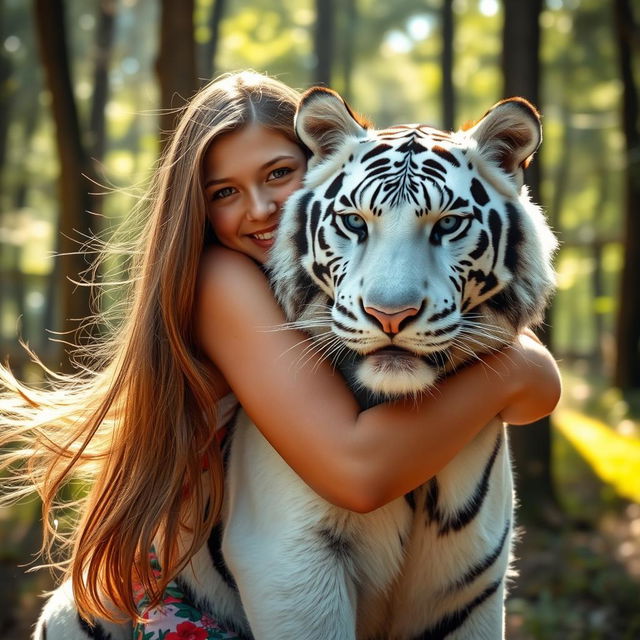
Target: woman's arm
357 460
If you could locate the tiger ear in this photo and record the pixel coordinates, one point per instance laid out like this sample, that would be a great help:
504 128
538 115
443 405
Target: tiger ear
324 121
509 134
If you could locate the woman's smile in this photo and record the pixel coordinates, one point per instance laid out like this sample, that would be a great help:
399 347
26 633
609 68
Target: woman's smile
265 238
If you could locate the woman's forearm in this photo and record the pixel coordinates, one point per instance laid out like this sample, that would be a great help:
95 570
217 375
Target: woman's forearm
397 446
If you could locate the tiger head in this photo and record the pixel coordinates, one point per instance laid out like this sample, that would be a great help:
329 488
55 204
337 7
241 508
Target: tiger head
410 250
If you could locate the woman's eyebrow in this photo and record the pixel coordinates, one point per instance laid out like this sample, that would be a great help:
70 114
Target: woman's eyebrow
266 165
277 159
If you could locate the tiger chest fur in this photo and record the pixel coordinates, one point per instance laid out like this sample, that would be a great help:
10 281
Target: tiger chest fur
407 253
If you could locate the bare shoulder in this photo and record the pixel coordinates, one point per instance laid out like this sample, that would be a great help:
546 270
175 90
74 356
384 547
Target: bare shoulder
225 273
219 263
233 291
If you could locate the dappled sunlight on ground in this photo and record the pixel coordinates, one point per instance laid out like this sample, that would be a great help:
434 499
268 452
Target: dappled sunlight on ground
614 458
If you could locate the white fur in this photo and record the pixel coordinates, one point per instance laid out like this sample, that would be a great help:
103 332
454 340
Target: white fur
393 380
293 588
59 620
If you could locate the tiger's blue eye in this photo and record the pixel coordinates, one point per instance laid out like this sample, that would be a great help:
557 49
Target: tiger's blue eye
355 223
449 224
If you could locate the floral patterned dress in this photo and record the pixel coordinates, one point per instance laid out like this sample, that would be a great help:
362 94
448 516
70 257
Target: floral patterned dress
175 618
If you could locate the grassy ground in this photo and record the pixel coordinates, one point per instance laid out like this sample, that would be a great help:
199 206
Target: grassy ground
580 580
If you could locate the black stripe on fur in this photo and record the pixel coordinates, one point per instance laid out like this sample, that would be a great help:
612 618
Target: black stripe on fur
410 499
515 237
495 227
300 235
455 620
203 604
381 148
305 289
445 155
479 568
481 247
338 545
96 632
478 192
335 186
464 516
214 544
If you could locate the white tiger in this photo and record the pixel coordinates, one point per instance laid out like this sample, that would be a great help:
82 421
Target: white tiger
426 249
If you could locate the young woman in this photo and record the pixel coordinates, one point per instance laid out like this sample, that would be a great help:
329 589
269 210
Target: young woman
139 422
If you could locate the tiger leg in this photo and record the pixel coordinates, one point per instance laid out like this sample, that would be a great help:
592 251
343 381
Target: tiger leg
293 574
294 589
60 620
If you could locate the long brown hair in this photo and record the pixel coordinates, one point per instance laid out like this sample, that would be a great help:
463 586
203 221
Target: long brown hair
138 423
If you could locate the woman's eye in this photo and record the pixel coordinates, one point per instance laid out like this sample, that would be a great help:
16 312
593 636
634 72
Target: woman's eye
448 224
281 172
355 223
225 192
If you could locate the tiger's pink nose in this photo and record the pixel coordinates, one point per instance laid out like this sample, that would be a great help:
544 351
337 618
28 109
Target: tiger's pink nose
391 322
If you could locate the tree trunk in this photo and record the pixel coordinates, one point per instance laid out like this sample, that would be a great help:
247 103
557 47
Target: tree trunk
446 64
531 445
627 371
349 47
176 61
521 63
324 41
16 286
75 201
209 49
10 286
6 93
600 361
103 47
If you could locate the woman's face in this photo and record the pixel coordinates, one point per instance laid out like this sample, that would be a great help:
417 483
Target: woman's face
248 174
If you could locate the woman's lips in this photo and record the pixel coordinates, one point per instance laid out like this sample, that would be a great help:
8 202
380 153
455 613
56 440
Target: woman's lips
264 238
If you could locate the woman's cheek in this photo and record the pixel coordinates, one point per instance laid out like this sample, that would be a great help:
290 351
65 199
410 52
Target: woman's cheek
222 224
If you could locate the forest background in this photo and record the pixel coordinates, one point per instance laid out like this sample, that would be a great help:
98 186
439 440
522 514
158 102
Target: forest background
88 88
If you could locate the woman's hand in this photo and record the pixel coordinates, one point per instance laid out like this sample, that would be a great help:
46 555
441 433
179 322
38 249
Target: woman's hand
532 378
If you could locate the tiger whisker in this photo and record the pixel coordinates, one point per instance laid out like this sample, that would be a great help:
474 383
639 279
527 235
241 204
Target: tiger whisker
479 336
485 326
475 356
464 348
317 342
312 342
494 329
331 355
309 339
298 325
331 348
316 349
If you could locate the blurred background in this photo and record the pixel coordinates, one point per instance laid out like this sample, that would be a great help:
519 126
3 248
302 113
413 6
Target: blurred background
88 88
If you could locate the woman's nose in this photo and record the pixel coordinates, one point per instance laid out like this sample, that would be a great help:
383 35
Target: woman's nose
261 206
